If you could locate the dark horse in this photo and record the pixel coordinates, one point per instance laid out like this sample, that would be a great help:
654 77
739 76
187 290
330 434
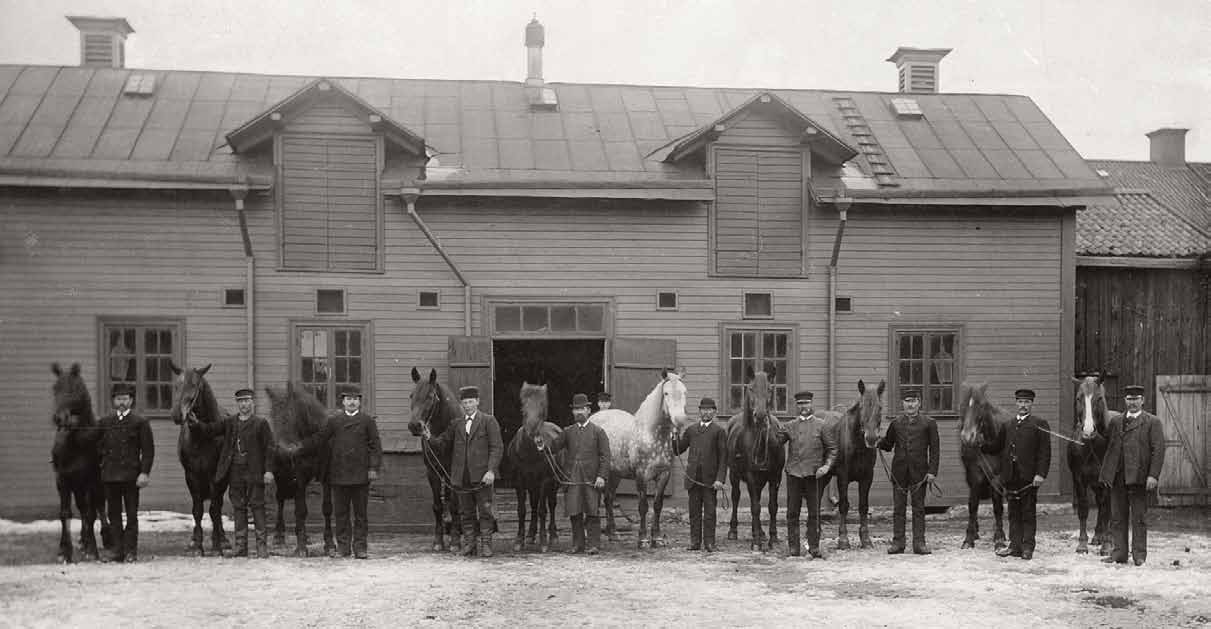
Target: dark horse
533 474
77 464
757 458
296 414
981 423
199 454
857 433
434 406
1086 452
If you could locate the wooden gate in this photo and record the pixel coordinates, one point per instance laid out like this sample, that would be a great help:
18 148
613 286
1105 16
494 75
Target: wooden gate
1183 404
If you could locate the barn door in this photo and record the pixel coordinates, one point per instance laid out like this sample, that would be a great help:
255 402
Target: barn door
470 361
1183 405
635 366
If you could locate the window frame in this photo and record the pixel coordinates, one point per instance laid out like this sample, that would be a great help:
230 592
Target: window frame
492 302
344 302
744 314
959 374
366 327
676 301
225 292
179 357
726 329
437 299
279 200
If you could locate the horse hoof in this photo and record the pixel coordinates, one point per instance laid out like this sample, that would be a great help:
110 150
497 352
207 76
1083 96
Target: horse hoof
279 540
517 547
61 558
866 544
732 535
543 549
968 544
1082 550
843 544
300 551
756 547
438 547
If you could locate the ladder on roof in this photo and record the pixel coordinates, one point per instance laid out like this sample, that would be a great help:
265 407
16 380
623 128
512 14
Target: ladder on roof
880 167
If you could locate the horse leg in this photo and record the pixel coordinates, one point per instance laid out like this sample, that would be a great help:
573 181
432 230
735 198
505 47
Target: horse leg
735 521
88 515
326 509
662 483
544 543
754 505
1080 502
641 487
439 514
864 510
520 542
65 544
550 495
195 544
973 511
610 493
998 535
536 501
279 525
1102 528
300 517
218 539
96 494
842 512
773 512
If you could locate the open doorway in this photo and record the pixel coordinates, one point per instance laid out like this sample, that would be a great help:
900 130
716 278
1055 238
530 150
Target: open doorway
566 366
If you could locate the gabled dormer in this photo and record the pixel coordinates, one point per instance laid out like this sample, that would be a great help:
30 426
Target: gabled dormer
330 150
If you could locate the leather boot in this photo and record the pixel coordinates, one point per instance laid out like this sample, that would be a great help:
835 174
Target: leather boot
240 548
456 544
485 545
262 545
594 534
577 535
792 538
471 546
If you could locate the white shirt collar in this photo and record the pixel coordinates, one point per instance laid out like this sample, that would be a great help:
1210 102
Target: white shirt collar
122 415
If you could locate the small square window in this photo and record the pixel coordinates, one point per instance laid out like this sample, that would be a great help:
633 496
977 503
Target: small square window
758 305
844 304
666 301
233 298
428 299
329 301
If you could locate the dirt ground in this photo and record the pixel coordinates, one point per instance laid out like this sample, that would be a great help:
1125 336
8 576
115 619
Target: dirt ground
404 584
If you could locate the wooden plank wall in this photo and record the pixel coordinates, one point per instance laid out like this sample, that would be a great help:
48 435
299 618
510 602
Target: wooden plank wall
1138 323
1184 407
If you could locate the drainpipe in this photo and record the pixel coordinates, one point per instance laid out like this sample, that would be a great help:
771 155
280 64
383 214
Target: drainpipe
238 194
409 195
842 204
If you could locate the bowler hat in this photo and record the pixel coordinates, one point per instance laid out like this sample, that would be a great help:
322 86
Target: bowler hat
243 393
580 400
910 394
468 393
604 397
804 396
122 388
1023 394
707 402
1133 390
351 390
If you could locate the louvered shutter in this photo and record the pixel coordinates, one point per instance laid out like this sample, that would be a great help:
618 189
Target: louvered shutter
330 203
758 212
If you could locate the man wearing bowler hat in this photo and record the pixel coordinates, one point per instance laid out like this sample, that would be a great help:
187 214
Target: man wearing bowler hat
127 450
477 448
1025 447
705 468
587 464
914 437
604 401
1132 468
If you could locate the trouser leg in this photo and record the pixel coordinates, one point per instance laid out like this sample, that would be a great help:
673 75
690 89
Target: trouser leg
1118 520
1137 498
238 491
794 506
708 516
695 506
360 500
113 505
811 492
256 502
918 517
1015 521
130 498
341 502
486 517
899 512
593 531
1029 502
578 532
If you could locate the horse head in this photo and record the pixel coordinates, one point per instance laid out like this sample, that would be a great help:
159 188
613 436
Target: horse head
73 405
979 415
294 412
430 404
674 397
1091 408
533 407
192 395
869 411
758 395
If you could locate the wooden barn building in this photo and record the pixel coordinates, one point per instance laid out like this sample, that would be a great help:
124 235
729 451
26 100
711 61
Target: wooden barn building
1143 296
335 229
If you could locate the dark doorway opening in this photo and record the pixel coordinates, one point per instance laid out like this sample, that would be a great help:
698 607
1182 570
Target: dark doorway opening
566 366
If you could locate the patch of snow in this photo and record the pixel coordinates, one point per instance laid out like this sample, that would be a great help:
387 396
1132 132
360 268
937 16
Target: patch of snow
149 521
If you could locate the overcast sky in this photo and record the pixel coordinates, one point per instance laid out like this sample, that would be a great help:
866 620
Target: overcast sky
1105 71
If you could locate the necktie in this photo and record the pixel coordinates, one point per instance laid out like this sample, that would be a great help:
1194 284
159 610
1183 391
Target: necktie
469 418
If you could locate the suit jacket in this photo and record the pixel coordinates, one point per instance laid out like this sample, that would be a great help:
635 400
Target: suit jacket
1025 449
1137 446
473 454
916 446
252 435
126 448
354 447
707 460
812 445
588 457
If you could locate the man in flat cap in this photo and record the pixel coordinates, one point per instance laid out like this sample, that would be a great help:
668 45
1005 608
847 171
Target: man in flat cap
812 453
587 464
1025 447
477 449
245 467
914 437
1132 468
127 451
604 401
705 468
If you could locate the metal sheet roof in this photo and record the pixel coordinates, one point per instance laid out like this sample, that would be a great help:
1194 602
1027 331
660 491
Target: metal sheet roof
965 143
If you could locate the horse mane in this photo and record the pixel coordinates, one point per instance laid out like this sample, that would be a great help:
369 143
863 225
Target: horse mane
649 412
989 418
533 406
294 412
207 401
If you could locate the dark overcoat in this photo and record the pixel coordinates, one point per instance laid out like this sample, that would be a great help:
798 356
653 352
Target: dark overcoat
706 462
1139 444
587 459
472 454
254 437
126 448
353 447
916 448
1025 449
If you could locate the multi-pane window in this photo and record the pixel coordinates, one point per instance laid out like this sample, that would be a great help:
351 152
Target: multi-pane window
540 319
761 349
327 358
139 353
927 360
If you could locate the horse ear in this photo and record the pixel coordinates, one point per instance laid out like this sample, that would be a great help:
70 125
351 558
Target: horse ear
203 370
415 375
432 376
56 369
861 387
175 369
1100 378
882 387
748 373
75 369
681 371
1077 380
664 373
771 371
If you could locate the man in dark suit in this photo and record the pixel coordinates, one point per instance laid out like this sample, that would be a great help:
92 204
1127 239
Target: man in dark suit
477 449
813 450
1025 447
127 450
245 462
355 457
705 468
914 437
1131 469
587 464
